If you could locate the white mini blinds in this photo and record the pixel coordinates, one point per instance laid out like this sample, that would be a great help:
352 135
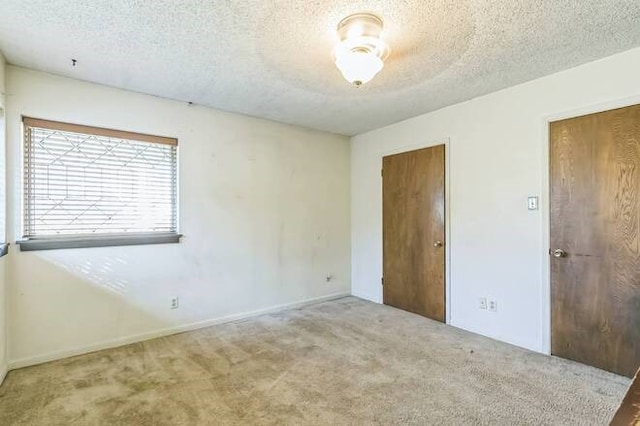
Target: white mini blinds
87 182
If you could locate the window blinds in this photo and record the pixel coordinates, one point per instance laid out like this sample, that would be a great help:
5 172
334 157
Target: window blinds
83 181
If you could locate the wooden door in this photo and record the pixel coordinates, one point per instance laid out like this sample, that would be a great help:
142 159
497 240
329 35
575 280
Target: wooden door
413 232
628 413
595 239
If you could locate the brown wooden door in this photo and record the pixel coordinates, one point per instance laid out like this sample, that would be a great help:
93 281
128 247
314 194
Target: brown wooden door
413 231
595 220
628 413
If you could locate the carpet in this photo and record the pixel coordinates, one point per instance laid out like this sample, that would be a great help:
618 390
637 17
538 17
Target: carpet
344 362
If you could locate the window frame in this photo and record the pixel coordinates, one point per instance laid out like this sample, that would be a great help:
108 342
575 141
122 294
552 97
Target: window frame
50 242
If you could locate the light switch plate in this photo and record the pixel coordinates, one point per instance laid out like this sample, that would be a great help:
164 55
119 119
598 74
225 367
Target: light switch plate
532 203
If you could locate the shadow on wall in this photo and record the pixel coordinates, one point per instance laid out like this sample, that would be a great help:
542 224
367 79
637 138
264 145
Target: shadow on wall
101 274
84 299
65 302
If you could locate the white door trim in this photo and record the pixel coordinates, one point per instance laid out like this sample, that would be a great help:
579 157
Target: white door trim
545 204
447 212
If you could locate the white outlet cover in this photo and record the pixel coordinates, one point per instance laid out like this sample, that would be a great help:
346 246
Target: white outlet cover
483 303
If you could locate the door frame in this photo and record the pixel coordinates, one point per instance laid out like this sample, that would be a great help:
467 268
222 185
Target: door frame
447 214
545 204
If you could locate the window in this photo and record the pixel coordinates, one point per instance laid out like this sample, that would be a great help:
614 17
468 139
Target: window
86 186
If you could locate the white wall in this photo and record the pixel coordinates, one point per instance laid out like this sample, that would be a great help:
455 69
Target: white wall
264 208
3 292
498 156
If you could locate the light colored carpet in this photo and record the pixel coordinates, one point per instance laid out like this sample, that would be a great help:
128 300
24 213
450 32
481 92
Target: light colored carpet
337 363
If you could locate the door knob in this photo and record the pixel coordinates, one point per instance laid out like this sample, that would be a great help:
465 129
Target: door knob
438 244
559 253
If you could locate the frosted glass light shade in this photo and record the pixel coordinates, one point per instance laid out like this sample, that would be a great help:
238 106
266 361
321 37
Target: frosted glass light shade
358 67
361 52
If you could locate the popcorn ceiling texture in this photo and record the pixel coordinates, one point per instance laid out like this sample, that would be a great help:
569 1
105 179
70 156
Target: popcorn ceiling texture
419 51
272 59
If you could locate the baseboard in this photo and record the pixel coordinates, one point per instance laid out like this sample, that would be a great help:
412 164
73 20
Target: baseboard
497 337
366 296
114 343
3 373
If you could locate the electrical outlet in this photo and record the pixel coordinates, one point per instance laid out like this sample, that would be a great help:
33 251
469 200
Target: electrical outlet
328 278
493 305
175 303
483 303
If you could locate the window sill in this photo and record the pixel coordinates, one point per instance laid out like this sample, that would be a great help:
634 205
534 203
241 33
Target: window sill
100 241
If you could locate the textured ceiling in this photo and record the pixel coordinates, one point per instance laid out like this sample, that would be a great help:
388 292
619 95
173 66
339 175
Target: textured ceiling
272 59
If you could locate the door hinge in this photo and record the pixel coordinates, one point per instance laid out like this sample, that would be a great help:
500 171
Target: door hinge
382 280
381 172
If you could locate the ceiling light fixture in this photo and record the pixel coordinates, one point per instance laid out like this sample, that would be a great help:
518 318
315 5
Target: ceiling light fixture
361 52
